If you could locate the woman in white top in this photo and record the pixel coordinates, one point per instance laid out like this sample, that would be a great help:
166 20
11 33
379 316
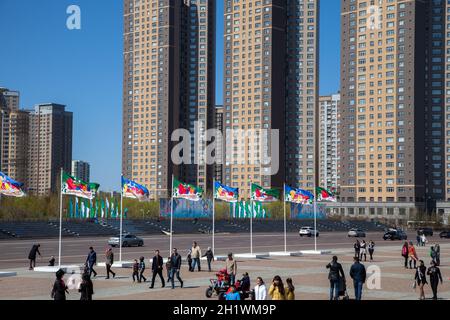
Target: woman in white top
260 289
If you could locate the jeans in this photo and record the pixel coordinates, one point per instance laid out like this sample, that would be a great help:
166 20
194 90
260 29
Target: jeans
174 272
358 289
371 254
232 278
141 276
91 270
334 286
209 264
195 261
108 270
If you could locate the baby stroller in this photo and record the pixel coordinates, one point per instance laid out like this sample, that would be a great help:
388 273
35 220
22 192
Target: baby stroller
343 289
220 285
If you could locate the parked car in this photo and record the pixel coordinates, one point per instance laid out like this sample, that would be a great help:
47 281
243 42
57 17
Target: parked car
395 235
308 232
426 231
445 234
128 240
357 233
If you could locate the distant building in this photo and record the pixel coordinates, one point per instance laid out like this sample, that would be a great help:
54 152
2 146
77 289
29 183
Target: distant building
328 141
14 136
218 121
50 147
81 170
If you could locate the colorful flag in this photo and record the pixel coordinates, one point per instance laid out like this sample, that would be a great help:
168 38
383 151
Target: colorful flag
102 205
9 187
70 209
77 187
186 191
77 213
107 208
225 193
131 189
325 195
298 195
264 195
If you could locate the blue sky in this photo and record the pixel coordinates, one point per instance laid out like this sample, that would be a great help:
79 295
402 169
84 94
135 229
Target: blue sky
82 69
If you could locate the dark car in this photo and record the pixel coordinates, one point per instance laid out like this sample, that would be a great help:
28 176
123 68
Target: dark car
395 235
426 231
445 234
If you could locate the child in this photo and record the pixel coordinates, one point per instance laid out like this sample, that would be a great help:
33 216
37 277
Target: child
168 268
189 260
136 271
51 263
142 269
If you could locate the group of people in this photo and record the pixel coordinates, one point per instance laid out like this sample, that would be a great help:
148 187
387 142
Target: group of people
361 249
337 279
409 253
421 239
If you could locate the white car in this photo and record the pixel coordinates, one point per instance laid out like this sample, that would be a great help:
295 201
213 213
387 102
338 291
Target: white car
356 233
308 232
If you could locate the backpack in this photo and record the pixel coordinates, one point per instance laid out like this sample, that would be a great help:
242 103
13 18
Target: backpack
404 251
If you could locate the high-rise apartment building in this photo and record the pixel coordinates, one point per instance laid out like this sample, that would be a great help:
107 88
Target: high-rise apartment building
81 170
328 141
169 52
50 147
218 167
14 136
270 83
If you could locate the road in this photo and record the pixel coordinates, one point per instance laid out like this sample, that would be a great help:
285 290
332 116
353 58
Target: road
14 253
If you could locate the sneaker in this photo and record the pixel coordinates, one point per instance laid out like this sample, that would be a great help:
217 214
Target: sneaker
150 287
107 278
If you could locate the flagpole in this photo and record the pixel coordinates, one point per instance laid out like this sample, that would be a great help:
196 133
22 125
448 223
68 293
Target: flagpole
315 220
171 215
251 221
284 205
214 215
121 217
60 219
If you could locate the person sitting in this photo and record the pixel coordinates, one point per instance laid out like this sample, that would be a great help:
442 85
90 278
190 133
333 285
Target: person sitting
233 294
51 263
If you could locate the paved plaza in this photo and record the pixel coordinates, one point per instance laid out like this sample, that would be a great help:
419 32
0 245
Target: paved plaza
308 272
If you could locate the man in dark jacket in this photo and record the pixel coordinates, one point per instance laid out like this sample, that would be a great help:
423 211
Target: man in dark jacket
358 274
91 260
32 255
175 260
157 268
109 263
335 275
435 275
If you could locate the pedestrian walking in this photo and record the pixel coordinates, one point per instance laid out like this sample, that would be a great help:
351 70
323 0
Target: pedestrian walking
59 289
91 261
432 254
405 253
336 275
231 266
357 247
421 279
358 274
189 260
176 266
362 251
418 239
435 276
196 253
209 257
86 288
290 290
260 289
109 263
276 290
142 269
157 268
245 282
412 255
32 255
423 239
371 247
136 271
437 250
168 268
